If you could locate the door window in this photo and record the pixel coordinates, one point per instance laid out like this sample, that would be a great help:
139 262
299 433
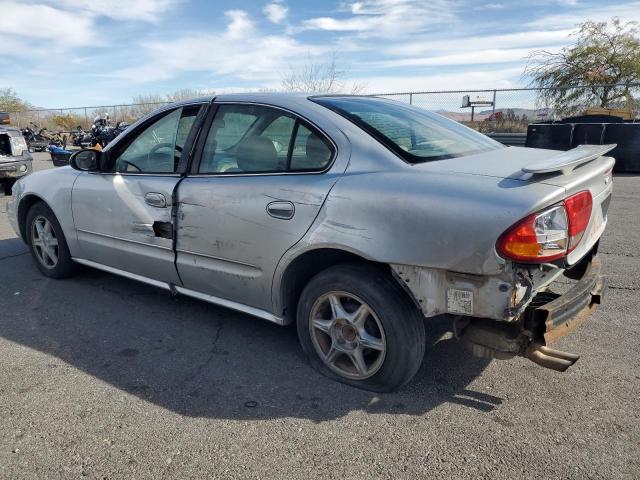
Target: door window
258 139
159 148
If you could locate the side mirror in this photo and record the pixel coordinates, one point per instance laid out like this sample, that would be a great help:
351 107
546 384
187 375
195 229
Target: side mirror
86 160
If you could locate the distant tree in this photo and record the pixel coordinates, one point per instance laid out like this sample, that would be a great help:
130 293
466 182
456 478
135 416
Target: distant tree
67 122
10 102
605 57
319 77
147 103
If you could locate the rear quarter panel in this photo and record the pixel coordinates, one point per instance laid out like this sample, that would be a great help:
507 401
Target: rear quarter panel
447 221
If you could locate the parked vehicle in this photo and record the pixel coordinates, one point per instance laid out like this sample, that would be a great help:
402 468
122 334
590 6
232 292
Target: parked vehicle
59 156
15 160
102 132
80 138
352 217
5 118
36 141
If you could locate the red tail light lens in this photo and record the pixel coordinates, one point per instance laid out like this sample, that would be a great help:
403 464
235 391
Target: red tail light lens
541 237
579 212
550 234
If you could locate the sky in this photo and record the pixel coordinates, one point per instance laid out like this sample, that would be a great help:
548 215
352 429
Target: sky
68 53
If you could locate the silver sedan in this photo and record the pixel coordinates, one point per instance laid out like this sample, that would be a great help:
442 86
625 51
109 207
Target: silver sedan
354 218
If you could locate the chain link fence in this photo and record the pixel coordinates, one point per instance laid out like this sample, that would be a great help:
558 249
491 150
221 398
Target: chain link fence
68 119
504 110
512 110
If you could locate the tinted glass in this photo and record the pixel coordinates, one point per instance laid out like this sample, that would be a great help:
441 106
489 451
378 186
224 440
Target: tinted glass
310 151
413 133
247 139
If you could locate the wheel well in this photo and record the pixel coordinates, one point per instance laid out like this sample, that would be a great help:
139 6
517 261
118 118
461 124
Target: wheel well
23 209
305 267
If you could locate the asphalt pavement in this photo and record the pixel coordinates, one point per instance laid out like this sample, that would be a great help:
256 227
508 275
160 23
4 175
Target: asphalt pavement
103 377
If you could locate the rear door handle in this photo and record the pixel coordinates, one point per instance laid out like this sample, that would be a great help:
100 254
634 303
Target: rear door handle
282 210
155 200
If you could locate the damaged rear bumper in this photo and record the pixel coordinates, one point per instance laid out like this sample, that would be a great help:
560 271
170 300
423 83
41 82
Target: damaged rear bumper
548 317
557 315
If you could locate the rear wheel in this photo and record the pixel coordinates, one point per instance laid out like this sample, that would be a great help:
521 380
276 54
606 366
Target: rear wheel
358 326
47 243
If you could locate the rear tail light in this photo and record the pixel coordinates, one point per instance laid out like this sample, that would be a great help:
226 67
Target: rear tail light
548 235
579 212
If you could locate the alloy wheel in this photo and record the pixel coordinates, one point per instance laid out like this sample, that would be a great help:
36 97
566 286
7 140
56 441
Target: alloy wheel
44 242
347 335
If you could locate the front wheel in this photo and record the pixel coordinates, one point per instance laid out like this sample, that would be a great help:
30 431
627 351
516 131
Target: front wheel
358 326
47 243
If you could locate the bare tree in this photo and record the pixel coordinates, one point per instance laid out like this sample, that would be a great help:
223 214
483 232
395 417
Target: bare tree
319 77
605 57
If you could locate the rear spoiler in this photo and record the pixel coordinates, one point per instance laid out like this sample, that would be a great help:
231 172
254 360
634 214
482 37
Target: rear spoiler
565 162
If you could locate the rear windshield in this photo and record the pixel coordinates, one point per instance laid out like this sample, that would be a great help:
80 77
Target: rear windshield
413 133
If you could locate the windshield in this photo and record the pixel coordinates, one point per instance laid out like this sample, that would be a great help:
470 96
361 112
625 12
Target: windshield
413 133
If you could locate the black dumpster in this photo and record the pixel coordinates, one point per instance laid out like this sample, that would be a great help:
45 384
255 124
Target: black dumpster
588 134
627 153
571 132
555 136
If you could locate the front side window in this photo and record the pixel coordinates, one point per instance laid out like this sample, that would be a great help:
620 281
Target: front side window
159 148
414 134
259 139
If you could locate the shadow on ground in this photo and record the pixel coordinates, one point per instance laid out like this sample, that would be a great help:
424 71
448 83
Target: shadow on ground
201 360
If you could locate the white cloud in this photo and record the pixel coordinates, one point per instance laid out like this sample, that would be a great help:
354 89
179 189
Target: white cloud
626 12
464 80
45 23
473 57
524 40
140 10
491 6
276 12
241 51
388 18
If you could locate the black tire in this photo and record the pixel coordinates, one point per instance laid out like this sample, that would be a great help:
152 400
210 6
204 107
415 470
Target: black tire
6 186
64 267
402 323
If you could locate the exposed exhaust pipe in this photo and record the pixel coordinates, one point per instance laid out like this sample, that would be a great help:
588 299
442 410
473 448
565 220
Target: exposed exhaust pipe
550 358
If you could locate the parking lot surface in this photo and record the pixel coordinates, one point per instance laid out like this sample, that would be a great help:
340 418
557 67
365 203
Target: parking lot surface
107 378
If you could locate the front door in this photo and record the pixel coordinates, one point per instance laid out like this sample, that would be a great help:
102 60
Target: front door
262 178
123 216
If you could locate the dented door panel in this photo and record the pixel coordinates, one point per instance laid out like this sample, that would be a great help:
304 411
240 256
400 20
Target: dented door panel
116 226
229 243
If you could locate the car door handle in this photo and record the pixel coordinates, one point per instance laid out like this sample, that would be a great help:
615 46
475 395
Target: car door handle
155 200
282 210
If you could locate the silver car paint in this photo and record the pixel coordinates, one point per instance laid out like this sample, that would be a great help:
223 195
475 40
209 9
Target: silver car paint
437 221
114 223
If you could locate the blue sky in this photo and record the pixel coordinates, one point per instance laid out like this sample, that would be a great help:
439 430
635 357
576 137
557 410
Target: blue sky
65 53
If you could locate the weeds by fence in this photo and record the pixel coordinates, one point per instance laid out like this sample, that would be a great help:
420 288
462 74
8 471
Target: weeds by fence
511 110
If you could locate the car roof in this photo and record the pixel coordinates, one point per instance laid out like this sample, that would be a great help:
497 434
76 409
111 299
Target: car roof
273 98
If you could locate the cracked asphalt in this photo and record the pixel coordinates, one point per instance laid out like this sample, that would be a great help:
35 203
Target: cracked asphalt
102 377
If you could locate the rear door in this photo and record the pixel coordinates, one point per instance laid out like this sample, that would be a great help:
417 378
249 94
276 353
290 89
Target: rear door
262 177
123 216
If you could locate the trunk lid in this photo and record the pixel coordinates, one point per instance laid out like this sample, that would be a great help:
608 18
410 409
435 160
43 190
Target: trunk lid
579 169
512 163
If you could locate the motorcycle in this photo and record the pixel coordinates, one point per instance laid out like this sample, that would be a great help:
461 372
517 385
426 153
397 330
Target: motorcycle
38 139
80 138
102 132
36 142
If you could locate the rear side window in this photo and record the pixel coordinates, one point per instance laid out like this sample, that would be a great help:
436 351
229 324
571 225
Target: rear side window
310 151
414 134
259 139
